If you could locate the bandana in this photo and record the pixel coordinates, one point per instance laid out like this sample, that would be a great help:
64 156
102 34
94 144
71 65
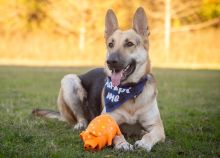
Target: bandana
116 96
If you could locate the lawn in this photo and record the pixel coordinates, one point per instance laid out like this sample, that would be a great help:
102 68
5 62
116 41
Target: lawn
189 102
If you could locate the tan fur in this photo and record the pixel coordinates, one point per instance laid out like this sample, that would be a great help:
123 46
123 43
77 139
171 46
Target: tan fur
46 113
65 111
69 101
70 105
144 109
148 67
142 112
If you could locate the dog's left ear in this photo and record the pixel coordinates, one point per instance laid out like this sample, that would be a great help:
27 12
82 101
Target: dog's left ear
140 22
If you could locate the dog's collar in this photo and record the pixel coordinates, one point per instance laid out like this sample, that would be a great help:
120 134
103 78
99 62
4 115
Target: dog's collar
116 96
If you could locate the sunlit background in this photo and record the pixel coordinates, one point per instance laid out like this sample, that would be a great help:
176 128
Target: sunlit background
183 33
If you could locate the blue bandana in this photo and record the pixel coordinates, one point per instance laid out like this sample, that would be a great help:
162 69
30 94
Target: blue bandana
116 96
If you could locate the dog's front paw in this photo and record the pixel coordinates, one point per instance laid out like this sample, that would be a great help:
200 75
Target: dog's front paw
124 146
80 126
142 144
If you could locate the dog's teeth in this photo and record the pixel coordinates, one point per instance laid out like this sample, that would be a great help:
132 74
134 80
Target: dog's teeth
127 68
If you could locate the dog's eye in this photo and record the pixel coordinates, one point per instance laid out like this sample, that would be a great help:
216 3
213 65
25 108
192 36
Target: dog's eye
111 45
129 44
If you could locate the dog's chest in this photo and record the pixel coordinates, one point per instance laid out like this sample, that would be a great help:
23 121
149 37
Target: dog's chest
131 111
127 113
135 108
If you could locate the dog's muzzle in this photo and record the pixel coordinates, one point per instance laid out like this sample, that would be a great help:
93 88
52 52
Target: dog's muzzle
120 68
115 62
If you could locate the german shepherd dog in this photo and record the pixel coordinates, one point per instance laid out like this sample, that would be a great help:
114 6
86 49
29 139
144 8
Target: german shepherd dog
82 97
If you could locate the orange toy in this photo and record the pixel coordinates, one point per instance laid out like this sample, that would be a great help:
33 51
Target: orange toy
100 132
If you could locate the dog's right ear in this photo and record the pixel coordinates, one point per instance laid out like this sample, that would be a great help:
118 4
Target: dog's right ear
111 23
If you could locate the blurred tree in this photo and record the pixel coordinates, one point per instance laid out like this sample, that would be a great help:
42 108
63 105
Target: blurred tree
81 22
22 16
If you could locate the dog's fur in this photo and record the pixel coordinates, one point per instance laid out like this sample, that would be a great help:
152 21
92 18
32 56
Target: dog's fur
80 97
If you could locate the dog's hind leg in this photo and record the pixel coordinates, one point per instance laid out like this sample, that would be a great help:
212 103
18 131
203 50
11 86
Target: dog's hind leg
65 112
70 101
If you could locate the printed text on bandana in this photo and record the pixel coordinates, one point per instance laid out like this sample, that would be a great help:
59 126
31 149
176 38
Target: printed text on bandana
115 97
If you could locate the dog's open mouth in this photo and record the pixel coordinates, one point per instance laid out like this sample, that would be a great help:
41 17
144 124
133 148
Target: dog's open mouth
121 75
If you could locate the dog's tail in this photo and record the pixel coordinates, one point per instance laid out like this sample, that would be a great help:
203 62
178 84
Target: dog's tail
47 114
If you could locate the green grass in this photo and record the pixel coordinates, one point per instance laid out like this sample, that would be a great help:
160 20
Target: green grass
189 103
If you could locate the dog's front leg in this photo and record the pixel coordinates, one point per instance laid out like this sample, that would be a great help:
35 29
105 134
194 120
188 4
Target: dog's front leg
154 135
119 142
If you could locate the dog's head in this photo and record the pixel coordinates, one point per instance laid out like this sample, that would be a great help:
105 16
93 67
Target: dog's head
127 57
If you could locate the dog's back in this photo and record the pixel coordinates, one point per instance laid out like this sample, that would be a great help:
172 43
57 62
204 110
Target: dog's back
93 82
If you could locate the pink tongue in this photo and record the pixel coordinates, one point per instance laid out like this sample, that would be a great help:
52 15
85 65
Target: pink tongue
116 78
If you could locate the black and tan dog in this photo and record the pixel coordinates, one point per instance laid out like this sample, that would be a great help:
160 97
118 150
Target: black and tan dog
82 97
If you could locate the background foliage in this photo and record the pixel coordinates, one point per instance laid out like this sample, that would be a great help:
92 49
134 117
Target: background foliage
70 32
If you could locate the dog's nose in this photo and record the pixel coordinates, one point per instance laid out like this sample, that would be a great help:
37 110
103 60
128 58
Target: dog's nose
115 62
112 62
113 59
